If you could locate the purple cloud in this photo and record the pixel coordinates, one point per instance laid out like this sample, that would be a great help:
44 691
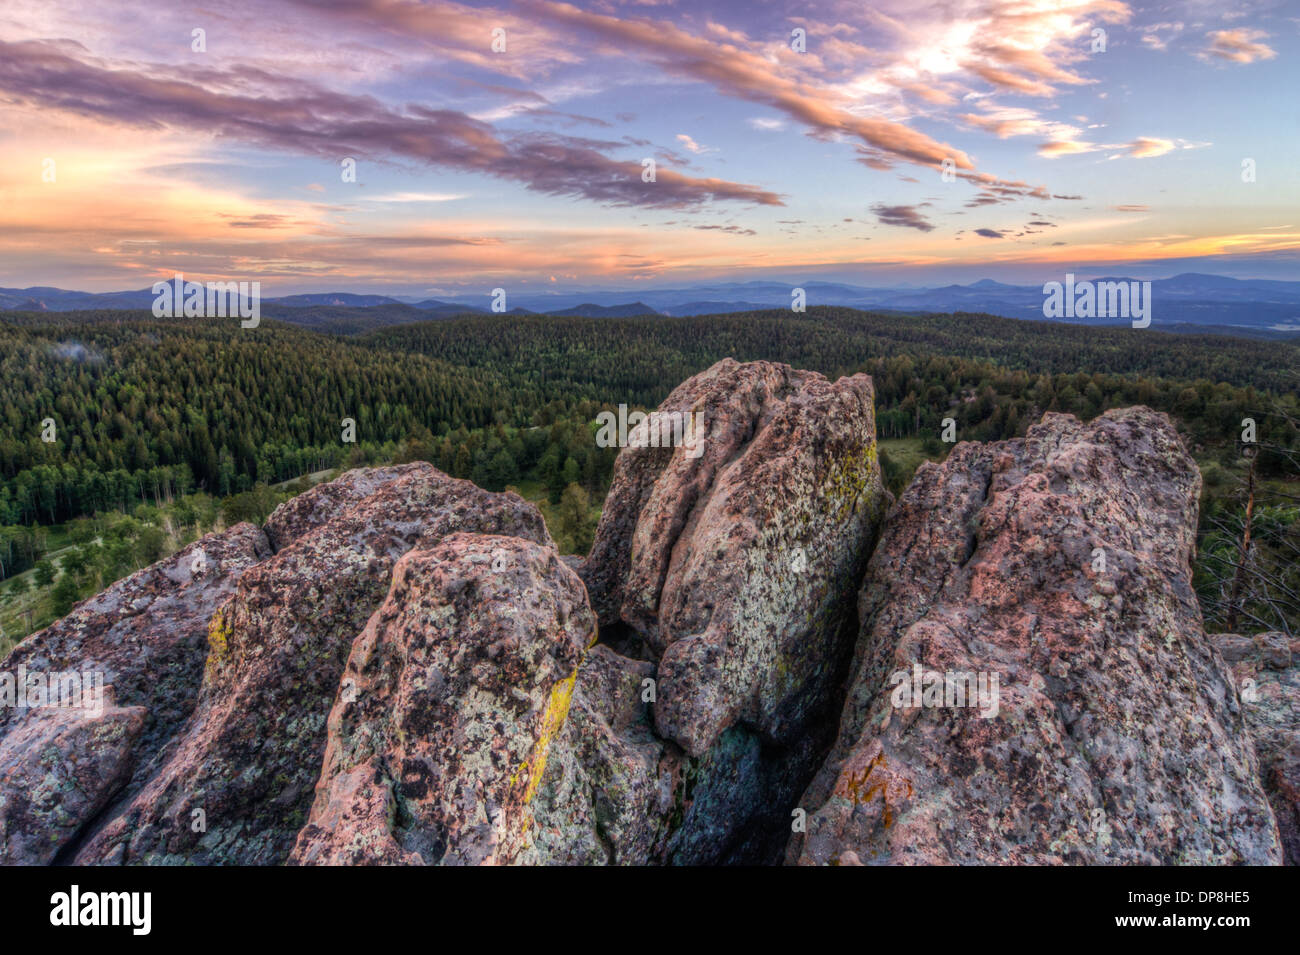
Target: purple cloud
907 216
297 116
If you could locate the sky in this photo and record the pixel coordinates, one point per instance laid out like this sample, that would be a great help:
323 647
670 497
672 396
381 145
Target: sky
902 142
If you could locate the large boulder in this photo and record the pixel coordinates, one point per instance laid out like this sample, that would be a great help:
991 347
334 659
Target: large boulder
236 784
141 642
1267 671
730 563
730 560
453 696
1059 566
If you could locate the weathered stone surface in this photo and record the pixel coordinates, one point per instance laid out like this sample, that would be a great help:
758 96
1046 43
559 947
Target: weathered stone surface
728 566
732 565
615 793
146 638
58 768
1267 672
1118 739
453 696
247 760
611 791
322 503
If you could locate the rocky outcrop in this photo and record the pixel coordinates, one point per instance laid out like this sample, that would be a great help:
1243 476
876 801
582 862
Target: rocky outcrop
731 563
727 563
402 670
759 532
236 785
1267 672
143 641
1057 564
452 698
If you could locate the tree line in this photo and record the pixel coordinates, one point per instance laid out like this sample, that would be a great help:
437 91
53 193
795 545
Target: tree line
146 412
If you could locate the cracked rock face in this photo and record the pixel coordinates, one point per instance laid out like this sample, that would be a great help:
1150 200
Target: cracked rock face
1267 672
235 786
729 564
453 696
610 788
146 638
1118 736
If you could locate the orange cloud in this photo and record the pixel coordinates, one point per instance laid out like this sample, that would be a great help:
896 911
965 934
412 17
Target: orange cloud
1144 147
1238 46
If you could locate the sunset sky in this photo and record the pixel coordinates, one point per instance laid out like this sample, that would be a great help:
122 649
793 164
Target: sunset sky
523 168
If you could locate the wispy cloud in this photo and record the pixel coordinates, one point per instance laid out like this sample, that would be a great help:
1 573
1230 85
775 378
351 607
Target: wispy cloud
1146 147
907 216
744 74
1238 46
307 119
691 145
1143 147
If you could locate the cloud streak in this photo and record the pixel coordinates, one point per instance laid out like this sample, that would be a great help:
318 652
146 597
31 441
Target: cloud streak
907 216
1238 46
301 117
749 76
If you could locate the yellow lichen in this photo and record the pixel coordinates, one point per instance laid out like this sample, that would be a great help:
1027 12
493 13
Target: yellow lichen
853 474
557 711
218 641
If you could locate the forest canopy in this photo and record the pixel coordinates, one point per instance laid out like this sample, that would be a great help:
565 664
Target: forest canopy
144 409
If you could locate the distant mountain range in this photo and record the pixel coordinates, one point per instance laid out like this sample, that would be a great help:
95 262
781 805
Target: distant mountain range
1190 299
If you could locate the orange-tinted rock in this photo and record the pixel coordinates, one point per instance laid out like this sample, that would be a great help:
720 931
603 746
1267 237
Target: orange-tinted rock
1059 564
453 696
236 784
